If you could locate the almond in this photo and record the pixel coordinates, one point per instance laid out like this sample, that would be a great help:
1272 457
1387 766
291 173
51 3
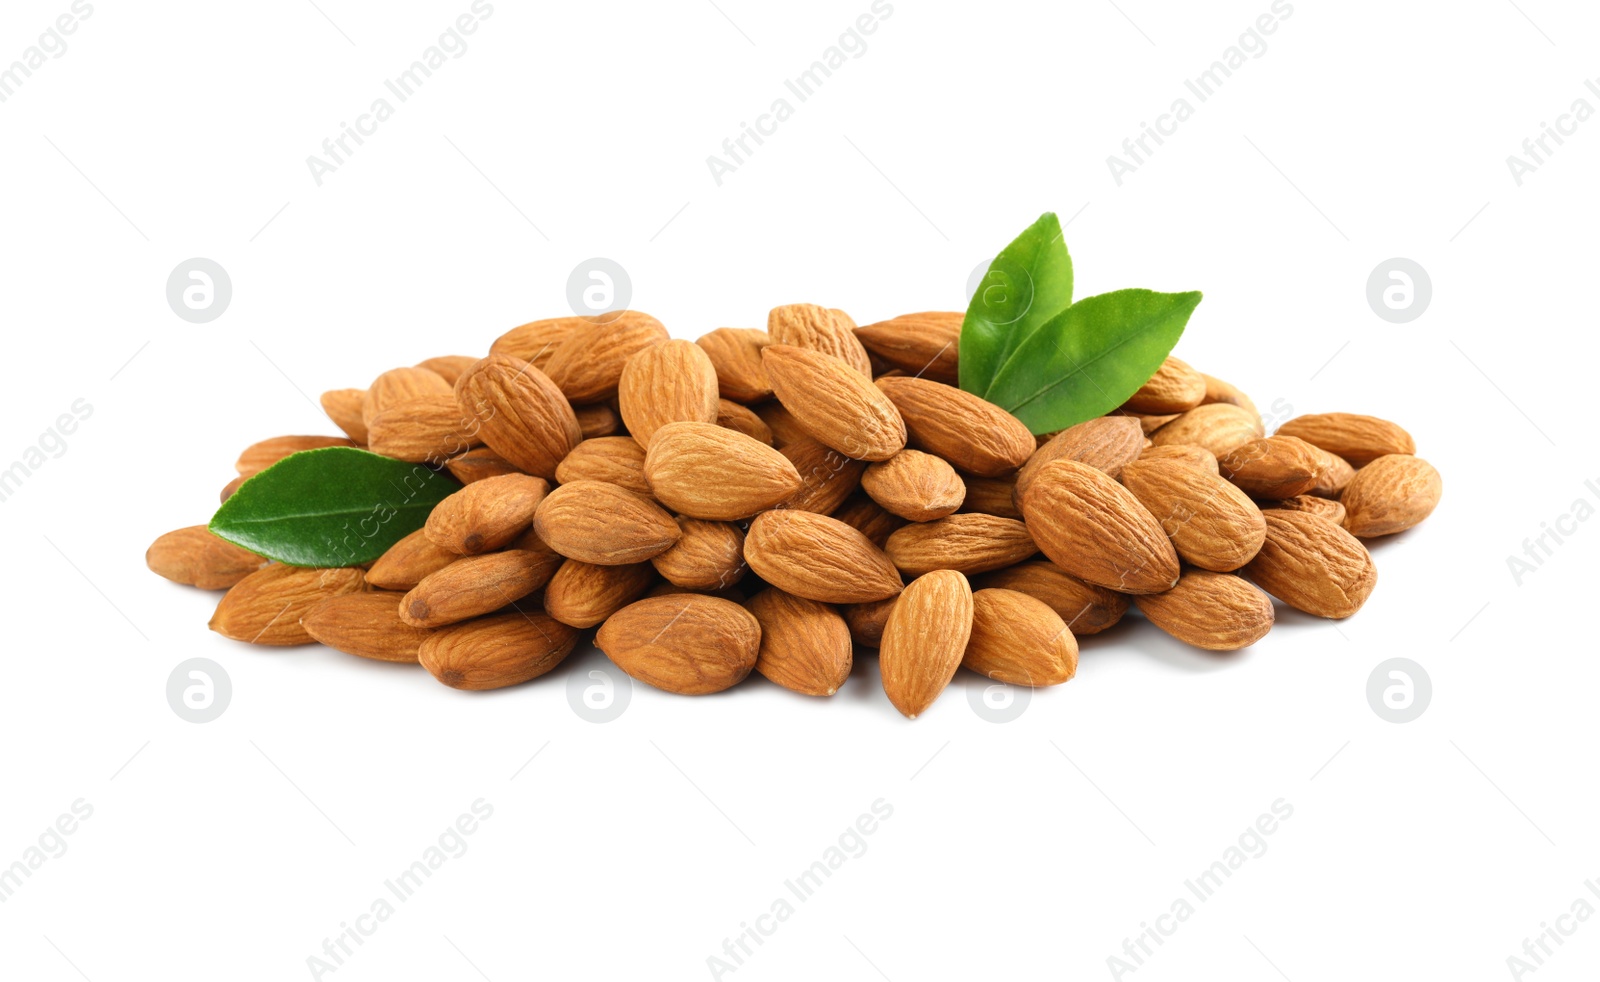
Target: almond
690 644
600 523
735 354
924 640
1106 443
597 419
405 564
866 620
915 485
1019 640
1219 391
785 430
1333 476
400 385
364 624
618 460
924 345
1183 453
536 341
494 652
259 456
805 645
704 471
520 413
1219 427
869 518
1358 439
583 595
476 585
991 496
1095 529
266 606
974 435
670 382
835 403
343 406
827 476
1212 524
1328 508
587 366
1214 611
1174 388
478 464
819 558
742 419
195 557
486 515
818 329
1273 467
232 486
1389 495
707 556
969 543
1313 565
448 367
424 430
1085 608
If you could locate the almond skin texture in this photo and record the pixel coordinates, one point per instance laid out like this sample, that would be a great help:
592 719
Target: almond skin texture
408 561
805 645
1313 565
1174 388
1273 467
1212 524
486 515
598 419
587 366
742 419
400 385
819 558
616 460
785 430
536 341
427 429
965 543
828 332
600 523
1390 495
869 518
1150 422
924 640
1086 609
259 456
448 367
866 620
1108 443
827 476
1333 476
1214 611
343 406
266 606
922 345
1219 427
1095 529
735 354
991 496
1358 439
1019 640
519 413
670 382
583 595
690 644
1219 391
704 471
365 624
194 557
1184 454
475 585
707 556
477 464
494 652
975 436
915 485
835 403
1328 508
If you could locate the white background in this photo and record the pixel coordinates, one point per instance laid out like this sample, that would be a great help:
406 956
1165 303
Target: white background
632 849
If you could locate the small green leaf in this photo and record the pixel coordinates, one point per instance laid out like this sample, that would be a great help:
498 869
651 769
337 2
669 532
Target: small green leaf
336 506
1091 357
1026 285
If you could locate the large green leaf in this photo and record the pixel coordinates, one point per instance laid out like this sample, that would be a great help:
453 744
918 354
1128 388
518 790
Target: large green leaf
1090 357
337 506
1026 285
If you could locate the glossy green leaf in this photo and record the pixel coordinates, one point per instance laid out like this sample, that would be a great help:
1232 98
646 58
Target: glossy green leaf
1091 357
336 506
1025 286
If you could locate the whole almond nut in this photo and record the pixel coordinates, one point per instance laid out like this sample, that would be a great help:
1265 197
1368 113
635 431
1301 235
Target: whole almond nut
991 496
448 367
1214 611
1389 495
805 645
1328 508
689 644
735 354
1219 391
1019 640
600 523
1095 529
1106 443
1148 422
835 403
923 345
670 382
1313 565
400 385
707 556
704 471
364 624
583 595
1333 475
1174 388
259 456
617 460
407 562
974 435
494 652
1273 467
536 341
487 514
969 543
519 413
818 329
478 464
1212 524
1358 439
195 557
827 476
343 406
869 518
424 430
1183 453
1219 427
475 585
1085 608
597 419
266 606
587 366
866 620
819 558
731 594
785 430
915 485
742 419
924 640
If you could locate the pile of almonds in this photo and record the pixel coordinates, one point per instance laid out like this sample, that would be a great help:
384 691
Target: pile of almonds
769 500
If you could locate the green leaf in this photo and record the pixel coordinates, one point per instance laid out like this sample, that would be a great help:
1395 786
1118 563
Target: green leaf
1026 285
1091 357
336 506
